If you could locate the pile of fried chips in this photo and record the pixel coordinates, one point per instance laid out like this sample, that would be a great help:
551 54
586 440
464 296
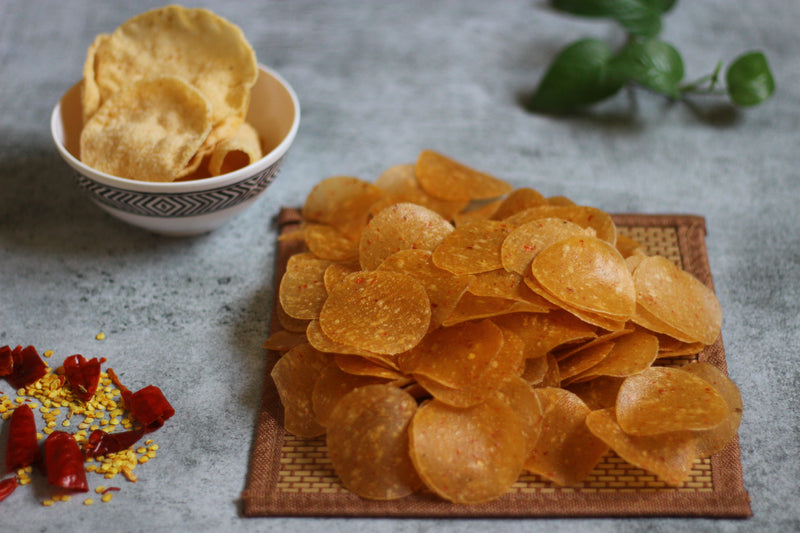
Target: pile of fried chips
447 333
164 97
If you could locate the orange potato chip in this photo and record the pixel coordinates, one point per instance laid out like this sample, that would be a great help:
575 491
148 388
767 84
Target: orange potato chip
527 240
380 311
481 211
401 185
295 375
302 289
368 442
583 360
327 242
535 370
518 200
467 455
520 396
629 247
342 202
444 178
455 356
631 354
401 227
678 299
598 393
589 274
283 340
364 366
472 248
644 318
711 441
443 288
566 451
471 307
543 332
585 216
665 399
559 200
336 272
295 325
320 340
669 456
332 385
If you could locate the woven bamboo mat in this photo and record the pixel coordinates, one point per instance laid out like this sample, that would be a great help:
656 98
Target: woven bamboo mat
290 476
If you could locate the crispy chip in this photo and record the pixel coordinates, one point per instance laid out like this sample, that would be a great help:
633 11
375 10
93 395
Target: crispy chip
289 323
631 354
669 456
381 311
363 366
585 216
471 307
527 240
295 375
518 200
401 185
472 248
476 211
90 92
236 151
543 332
589 274
711 441
193 44
368 442
443 288
598 393
302 289
342 202
336 272
332 385
584 359
401 227
467 455
283 340
147 131
327 242
665 399
520 396
678 299
444 178
566 451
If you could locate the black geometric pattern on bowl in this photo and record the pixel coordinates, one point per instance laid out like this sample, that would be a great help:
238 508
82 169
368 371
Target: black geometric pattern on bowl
170 205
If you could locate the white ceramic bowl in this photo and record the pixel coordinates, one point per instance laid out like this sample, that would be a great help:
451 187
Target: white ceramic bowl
187 207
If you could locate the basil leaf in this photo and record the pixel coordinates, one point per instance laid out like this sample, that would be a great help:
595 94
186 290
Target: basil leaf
641 18
749 79
653 64
578 76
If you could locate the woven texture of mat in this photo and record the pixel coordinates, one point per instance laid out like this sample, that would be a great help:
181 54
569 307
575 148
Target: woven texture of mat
290 476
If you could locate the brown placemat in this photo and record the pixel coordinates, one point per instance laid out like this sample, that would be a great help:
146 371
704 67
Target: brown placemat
290 476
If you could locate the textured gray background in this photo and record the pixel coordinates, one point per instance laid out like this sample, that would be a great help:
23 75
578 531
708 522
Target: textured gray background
378 82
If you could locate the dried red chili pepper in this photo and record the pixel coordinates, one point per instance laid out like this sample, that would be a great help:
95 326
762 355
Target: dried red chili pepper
148 406
22 449
101 443
6 361
83 375
64 462
28 367
7 486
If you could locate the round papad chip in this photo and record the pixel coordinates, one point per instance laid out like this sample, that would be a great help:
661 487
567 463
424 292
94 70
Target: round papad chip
665 399
302 288
332 385
444 178
631 354
342 202
443 288
543 332
518 200
196 45
368 442
670 456
237 151
520 396
585 216
678 299
467 455
472 248
148 131
711 441
327 242
401 185
402 226
380 311
527 240
589 274
566 451
295 375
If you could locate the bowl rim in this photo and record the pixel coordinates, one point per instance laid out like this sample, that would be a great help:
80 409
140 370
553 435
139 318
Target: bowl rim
213 182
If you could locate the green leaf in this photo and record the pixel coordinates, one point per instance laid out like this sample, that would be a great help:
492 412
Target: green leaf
653 64
641 18
578 76
749 79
